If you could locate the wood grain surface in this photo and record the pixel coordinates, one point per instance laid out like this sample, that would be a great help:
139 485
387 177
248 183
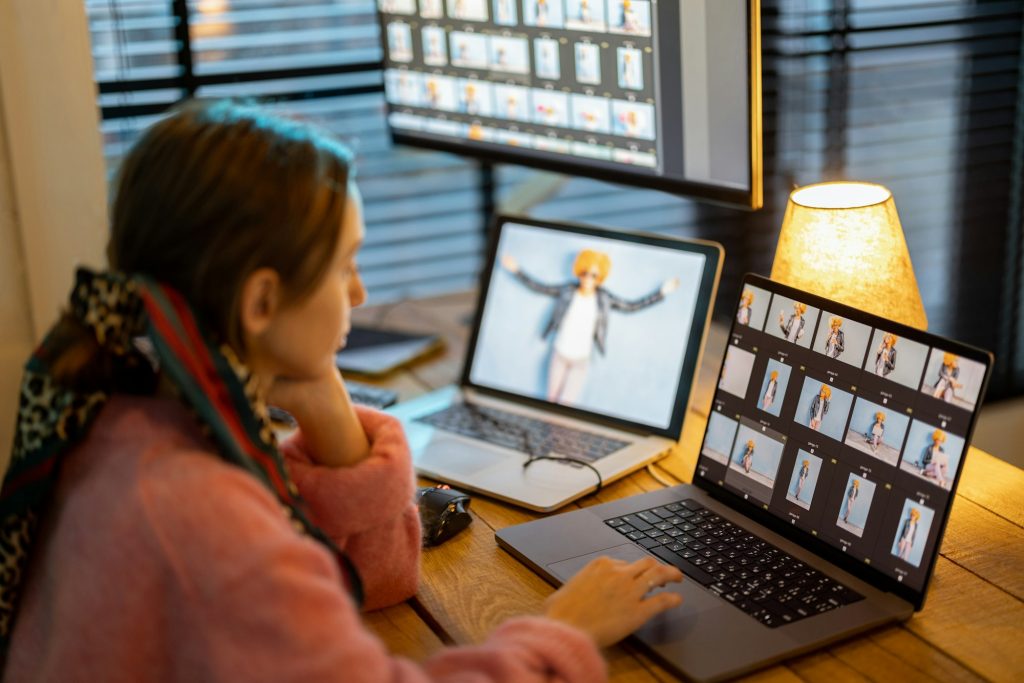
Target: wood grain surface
971 628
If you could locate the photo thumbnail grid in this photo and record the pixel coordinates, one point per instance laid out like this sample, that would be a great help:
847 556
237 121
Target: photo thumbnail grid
559 70
622 17
892 446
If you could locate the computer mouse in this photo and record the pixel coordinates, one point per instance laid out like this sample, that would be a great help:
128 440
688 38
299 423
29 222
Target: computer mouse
443 513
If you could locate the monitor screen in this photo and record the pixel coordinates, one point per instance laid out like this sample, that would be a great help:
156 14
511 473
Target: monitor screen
844 426
577 317
665 95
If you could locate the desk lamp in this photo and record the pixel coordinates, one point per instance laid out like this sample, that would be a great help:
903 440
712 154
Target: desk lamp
843 241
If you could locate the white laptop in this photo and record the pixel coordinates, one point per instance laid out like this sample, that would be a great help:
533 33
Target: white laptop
580 365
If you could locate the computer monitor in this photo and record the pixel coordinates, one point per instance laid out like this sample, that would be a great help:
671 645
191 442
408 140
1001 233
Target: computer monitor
664 95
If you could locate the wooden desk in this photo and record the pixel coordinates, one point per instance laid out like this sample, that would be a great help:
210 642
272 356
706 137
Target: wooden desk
971 628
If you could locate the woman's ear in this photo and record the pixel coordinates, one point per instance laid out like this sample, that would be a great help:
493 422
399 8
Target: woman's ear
259 301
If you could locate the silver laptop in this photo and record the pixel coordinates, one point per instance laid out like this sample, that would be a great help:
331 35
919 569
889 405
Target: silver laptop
580 365
822 489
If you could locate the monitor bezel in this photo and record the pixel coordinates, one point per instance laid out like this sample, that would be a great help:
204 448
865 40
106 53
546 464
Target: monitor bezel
752 198
714 255
805 539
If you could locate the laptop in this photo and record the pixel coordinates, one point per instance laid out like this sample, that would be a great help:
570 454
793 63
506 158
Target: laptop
571 319
822 489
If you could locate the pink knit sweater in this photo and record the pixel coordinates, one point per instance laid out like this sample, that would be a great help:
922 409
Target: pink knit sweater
160 562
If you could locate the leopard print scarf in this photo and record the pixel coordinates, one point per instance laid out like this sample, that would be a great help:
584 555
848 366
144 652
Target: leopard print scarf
146 327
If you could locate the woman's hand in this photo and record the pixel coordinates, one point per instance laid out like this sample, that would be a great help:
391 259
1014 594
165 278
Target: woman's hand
608 598
669 286
322 407
510 264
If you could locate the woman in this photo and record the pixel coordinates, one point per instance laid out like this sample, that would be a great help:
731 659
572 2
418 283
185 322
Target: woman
885 357
876 431
770 389
835 342
793 327
743 313
748 456
907 534
580 319
946 385
805 470
170 539
851 498
819 407
934 462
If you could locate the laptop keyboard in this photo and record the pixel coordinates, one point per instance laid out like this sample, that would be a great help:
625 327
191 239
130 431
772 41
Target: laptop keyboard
761 580
521 433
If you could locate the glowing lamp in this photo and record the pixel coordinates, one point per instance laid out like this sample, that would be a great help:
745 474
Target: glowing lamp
843 241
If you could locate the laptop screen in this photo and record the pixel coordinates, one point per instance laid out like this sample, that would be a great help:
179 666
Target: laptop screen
842 425
594 322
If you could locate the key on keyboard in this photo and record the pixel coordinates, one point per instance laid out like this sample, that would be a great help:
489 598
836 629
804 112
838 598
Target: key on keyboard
765 582
527 434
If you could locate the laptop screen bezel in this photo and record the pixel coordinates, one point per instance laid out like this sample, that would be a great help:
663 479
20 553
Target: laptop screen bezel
713 256
805 539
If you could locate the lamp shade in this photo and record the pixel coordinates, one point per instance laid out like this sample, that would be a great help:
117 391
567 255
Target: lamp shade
843 241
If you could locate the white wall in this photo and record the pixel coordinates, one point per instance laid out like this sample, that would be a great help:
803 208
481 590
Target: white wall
53 212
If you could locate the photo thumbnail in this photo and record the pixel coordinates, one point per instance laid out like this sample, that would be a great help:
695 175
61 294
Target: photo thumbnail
877 430
756 457
932 454
823 408
398 6
469 50
506 13
791 320
550 108
475 97
736 370
753 307
953 379
431 9
842 339
856 504
585 15
912 532
592 114
435 46
403 87
633 119
512 102
804 479
468 10
439 93
630 68
719 437
546 60
895 359
510 54
773 387
399 42
588 63
543 13
632 17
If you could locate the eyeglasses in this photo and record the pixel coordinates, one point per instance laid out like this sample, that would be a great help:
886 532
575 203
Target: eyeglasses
591 273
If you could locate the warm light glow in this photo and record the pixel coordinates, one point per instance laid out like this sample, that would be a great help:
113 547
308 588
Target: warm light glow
840 195
844 241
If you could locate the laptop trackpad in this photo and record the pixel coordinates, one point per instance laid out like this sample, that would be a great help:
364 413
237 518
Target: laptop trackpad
453 456
564 569
696 601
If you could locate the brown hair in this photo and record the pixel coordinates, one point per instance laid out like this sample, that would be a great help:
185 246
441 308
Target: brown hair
215 191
